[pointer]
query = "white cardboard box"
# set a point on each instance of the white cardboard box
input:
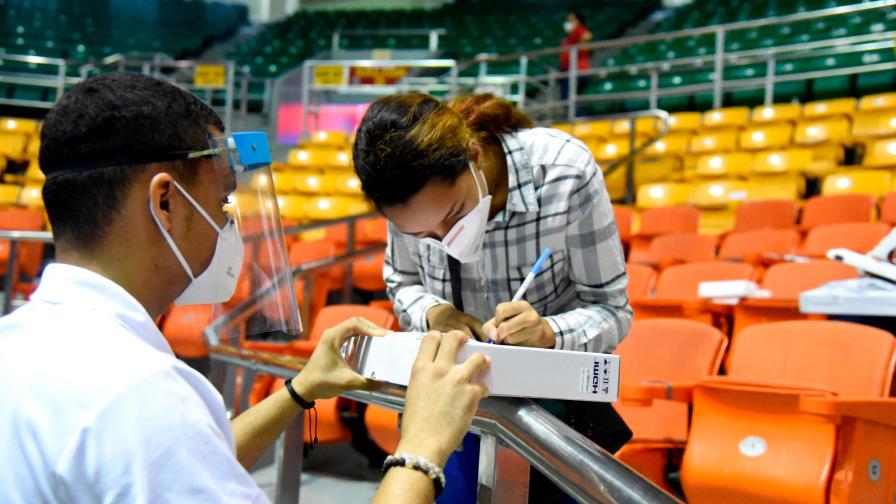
(514, 372)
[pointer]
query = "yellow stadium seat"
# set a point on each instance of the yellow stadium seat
(726, 117)
(881, 101)
(788, 187)
(12, 145)
(292, 207)
(774, 162)
(27, 127)
(330, 138)
(643, 126)
(663, 194)
(770, 136)
(880, 153)
(319, 158)
(328, 207)
(829, 108)
(609, 149)
(873, 182)
(284, 182)
(309, 182)
(564, 127)
(718, 201)
(33, 149)
(877, 123)
(33, 173)
(671, 144)
(31, 196)
(358, 206)
(9, 194)
(822, 130)
(776, 113)
(279, 166)
(735, 164)
(346, 183)
(647, 171)
(3, 164)
(685, 121)
(721, 140)
(591, 129)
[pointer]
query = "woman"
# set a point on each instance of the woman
(576, 33)
(474, 194)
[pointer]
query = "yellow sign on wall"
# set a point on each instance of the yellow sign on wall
(210, 76)
(329, 76)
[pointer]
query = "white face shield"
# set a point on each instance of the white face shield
(263, 305)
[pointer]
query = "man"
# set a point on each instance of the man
(96, 406)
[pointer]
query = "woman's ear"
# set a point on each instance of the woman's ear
(161, 189)
(475, 152)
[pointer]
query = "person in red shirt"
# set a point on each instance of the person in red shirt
(576, 33)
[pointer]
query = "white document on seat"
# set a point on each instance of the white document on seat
(856, 296)
(514, 372)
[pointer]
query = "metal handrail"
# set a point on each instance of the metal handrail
(574, 463)
(737, 25)
(433, 33)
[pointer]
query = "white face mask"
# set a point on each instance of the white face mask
(464, 240)
(218, 282)
(568, 26)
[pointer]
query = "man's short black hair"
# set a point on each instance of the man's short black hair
(579, 17)
(101, 135)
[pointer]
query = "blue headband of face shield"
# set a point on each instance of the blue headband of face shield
(241, 152)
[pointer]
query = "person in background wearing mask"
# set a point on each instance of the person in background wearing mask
(96, 407)
(576, 33)
(473, 194)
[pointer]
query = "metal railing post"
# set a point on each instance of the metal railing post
(572, 83)
(521, 87)
(488, 470)
(60, 86)
(11, 270)
(433, 40)
(244, 98)
(719, 69)
(228, 97)
(454, 76)
(654, 88)
(335, 42)
(630, 169)
(770, 81)
(306, 97)
(289, 454)
(349, 247)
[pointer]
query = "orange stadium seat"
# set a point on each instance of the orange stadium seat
(766, 136)
(666, 250)
(676, 291)
(640, 280)
(183, 327)
(780, 214)
(759, 246)
(665, 355)
(801, 417)
(888, 209)
(29, 254)
(624, 217)
(819, 210)
(778, 112)
(785, 281)
(859, 237)
(315, 285)
(726, 117)
(659, 221)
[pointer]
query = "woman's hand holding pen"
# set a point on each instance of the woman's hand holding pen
(517, 323)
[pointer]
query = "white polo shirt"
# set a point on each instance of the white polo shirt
(94, 406)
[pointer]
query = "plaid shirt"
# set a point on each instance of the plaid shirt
(557, 199)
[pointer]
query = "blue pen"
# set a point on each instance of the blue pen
(539, 265)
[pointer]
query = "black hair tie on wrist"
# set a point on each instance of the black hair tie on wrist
(310, 406)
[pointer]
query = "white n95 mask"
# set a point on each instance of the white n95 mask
(464, 240)
(218, 282)
(568, 26)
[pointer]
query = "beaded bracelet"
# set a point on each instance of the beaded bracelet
(417, 463)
